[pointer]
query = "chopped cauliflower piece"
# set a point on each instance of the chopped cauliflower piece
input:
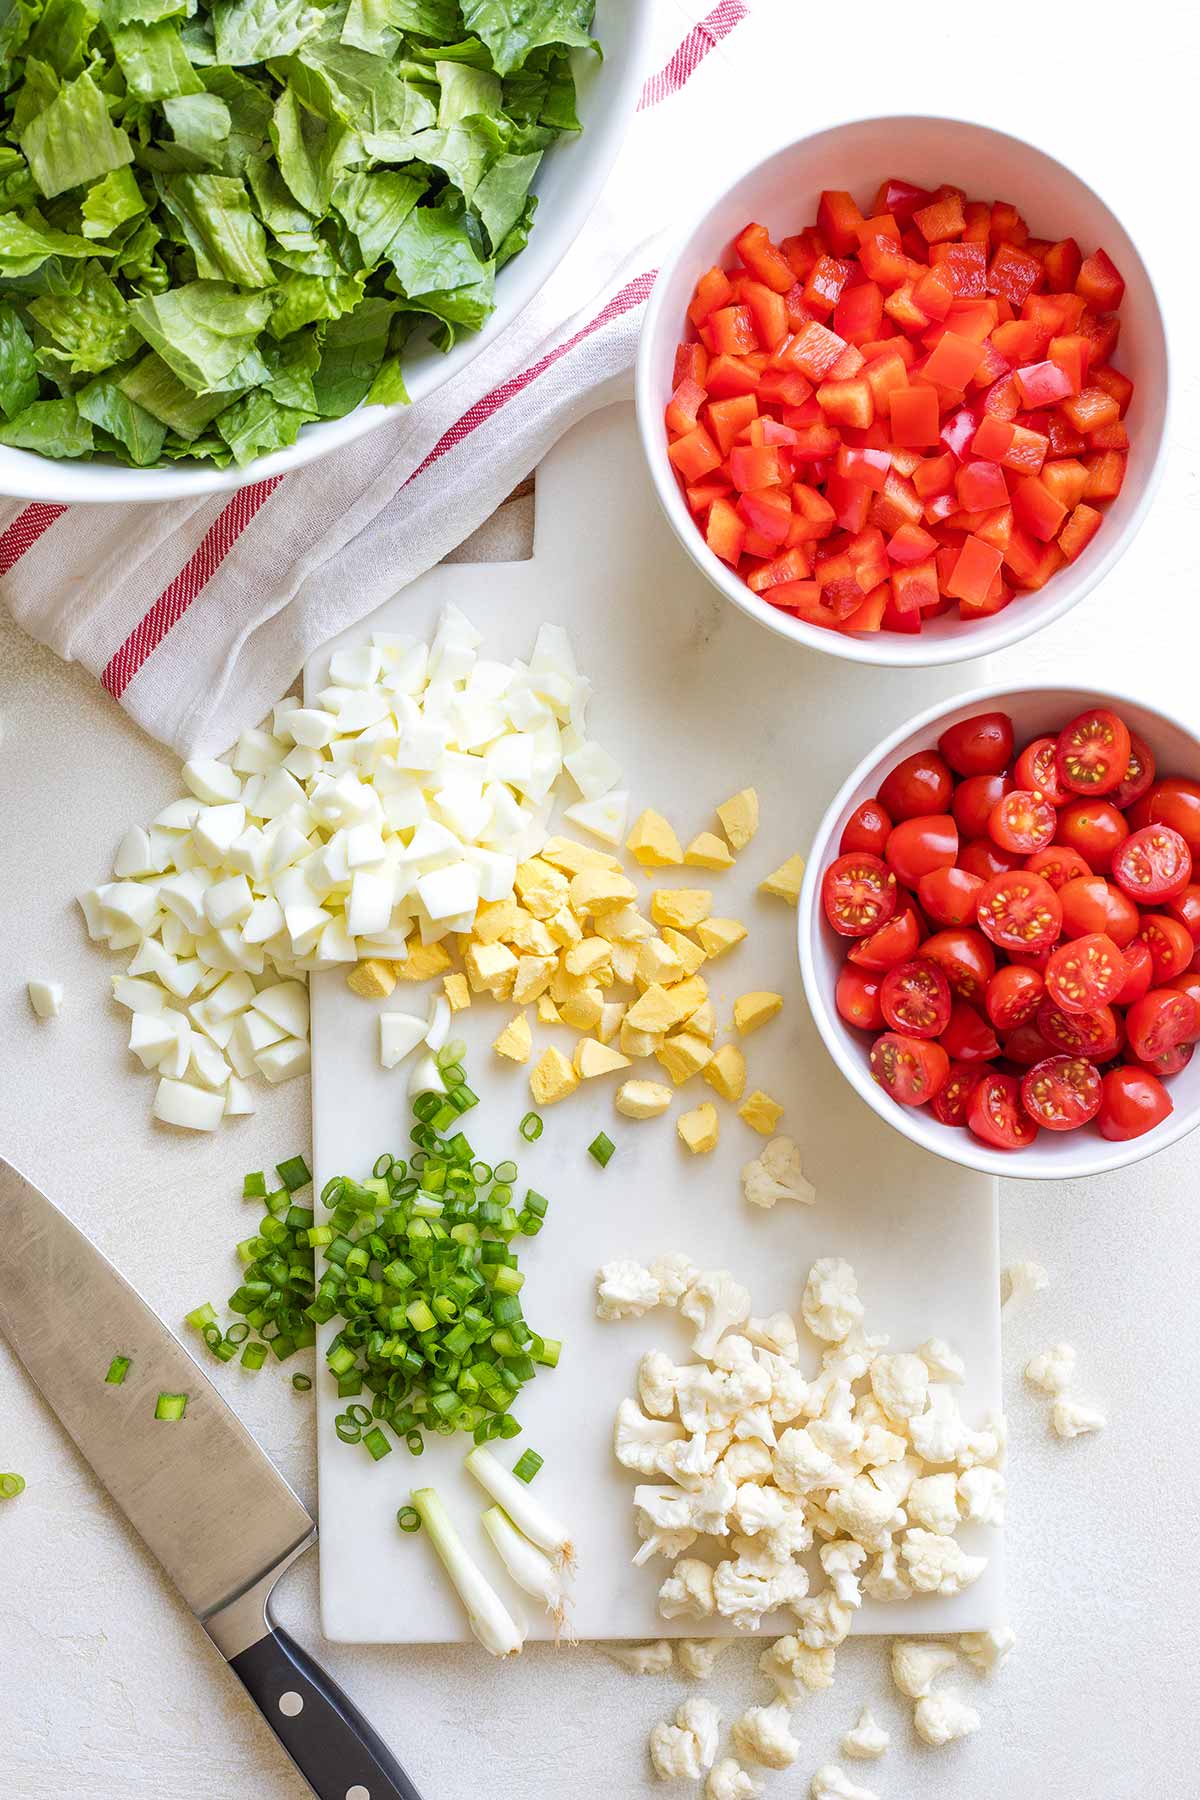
(900, 1384)
(675, 1274)
(686, 1749)
(687, 1593)
(942, 1361)
(639, 1442)
(786, 881)
(885, 1580)
(625, 1290)
(642, 1659)
(739, 817)
(657, 1380)
(755, 1009)
(824, 1621)
(943, 1717)
(916, 1665)
(939, 1434)
(933, 1503)
(714, 1303)
(841, 1562)
(1072, 1418)
(760, 1112)
(831, 1307)
(988, 1651)
(775, 1174)
(866, 1741)
(1021, 1279)
(938, 1564)
(699, 1129)
(45, 997)
(981, 1496)
(1053, 1370)
(698, 1656)
(832, 1783)
(729, 1781)
(796, 1668)
(762, 1736)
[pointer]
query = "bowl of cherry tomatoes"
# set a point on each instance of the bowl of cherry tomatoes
(902, 390)
(1000, 930)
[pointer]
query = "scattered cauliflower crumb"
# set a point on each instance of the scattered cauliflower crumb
(687, 1593)
(775, 1174)
(762, 1736)
(938, 1564)
(625, 1290)
(917, 1664)
(46, 998)
(785, 882)
(988, 1651)
(516, 1040)
(729, 1781)
(755, 1009)
(1053, 1370)
(642, 1659)
(698, 1656)
(831, 1307)
(760, 1112)
(1020, 1279)
(684, 1750)
(832, 1783)
(699, 1129)
(866, 1740)
(943, 1717)
(1073, 1418)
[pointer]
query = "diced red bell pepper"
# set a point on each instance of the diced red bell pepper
(1043, 383)
(868, 552)
(752, 470)
(847, 365)
(1036, 510)
(712, 290)
(725, 532)
(691, 364)
(974, 317)
(1022, 341)
(814, 350)
(968, 267)
(899, 504)
(978, 226)
(1014, 274)
(1011, 445)
(701, 494)
(859, 313)
(1054, 313)
(903, 309)
(976, 567)
(942, 220)
(683, 408)
(838, 220)
(768, 264)
(899, 198)
(869, 616)
(1066, 479)
(1091, 408)
(996, 527)
(1064, 439)
(783, 387)
(847, 402)
(915, 589)
(885, 373)
(981, 486)
(1072, 352)
(1106, 473)
(910, 544)
(694, 455)
(883, 259)
(794, 564)
(815, 443)
(727, 417)
(826, 279)
(952, 361)
(729, 375)
(933, 293)
(1008, 227)
(935, 475)
(914, 416)
(1103, 329)
(995, 600)
(1062, 264)
(879, 225)
(870, 467)
(850, 500)
(804, 599)
(733, 330)
(1109, 437)
(813, 510)
(1114, 383)
(958, 431)
(1079, 531)
(802, 251)
(1100, 282)
(769, 514)
(768, 312)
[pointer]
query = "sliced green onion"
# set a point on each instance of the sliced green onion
(527, 1465)
(202, 1316)
(377, 1444)
(601, 1149)
(118, 1369)
(254, 1355)
(302, 1383)
(11, 1486)
(408, 1519)
(506, 1172)
(170, 1406)
(531, 1127)
(254, 1187)
(294, 1173)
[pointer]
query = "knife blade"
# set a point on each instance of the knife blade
(211, 1506)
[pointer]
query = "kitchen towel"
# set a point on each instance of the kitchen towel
(197, 614)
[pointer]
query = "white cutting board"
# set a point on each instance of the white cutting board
(695, 701)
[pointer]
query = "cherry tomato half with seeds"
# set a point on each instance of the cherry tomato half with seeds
(1096, 1035)
(1132, 1102)
(1169, 943)
(1062, 1093)
(1092, 752)
(1153, 864)
(966, 958)
(996, 1116)
(975, 799)
(1084, 902)
(1169, 1063)
(866, 829)
(920, 784)
(1013, 996)
(1160, 1021)
(1058, 864)
(910, 1069)
(1186, 908)
(1176, 802)
(1139, 775)
(858, 893)
(978, 746)
(1026, 1046)
(1139, 973)
(948, 896)
(1037, 768)
(915, 998)
(984, 858)
(1020, 911)
(1023, 820)
(967, 1037)
(1094, 828)
(857, 998)
(917, 846)
(1124, 919)
(952, 1098)
(892, 943)
(1086, 973)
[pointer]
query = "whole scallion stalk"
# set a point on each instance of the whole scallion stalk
(529, 1567)
(538, 1525)
(490, 1619)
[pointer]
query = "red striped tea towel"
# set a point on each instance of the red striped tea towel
(197, 614)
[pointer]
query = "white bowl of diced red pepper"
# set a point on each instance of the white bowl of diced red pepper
(902, 390)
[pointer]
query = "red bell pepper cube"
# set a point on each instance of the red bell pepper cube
(914, 416)
(879, 225)
(1003, 398)
(1100, 282)
(1103, 329)
(701, 494)
(691, 364)
(1091, 408)
(1072, 352)
(794, 564)
(910, 544)
(995, 600)
(952, 361)
(802, 252)
(1008, 227)
(1064, 439)
(814, 517)
(712, 290)
(1043, 383)
(992, 367)
(978, 226)
(895, 620)
(1014, 273)
(957, 434)
(847, 402)
(1106, 473)
(869, 616)
(935, 475)
(1114, 383)
(794, 307)
(899, 198)
(814, 350)
(980, 486)
(727, 417)
(725, 532)
(885, 373)
(1062, 264)
(1011, 445)
(975, 568)
(1066, 479)
(773, 432)
(808, 412)
(768, 312)
(683, 408)
(767, 263)
(996, 527)
(733, 330)
(769, 514)
(934, 292)
(847, 365)
(1054, 313)
(870, 467)
(850, 501)
(859, 313)
(1109, 437)
(883, 259)
(729, 375)
(752, 470)
(1022, 341)
(694, 455)
(974, 317)
(826, 279)
(868, 437)
(1079, 531)
(784, 387)
(942, 220)
(915, 589)
(899, 504)
(815, 443)
(867, 550)
(968, 266)
(1036, 510)
(838, 219)
(901, 307)
(905, 461)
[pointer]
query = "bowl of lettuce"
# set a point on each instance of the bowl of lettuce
(233, 233)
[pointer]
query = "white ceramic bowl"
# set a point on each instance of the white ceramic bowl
(1035, 712)
(782, 192)
(567, 185)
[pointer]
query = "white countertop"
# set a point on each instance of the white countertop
(109, 1687)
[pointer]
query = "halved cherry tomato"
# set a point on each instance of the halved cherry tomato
(859, 894)
(1159, 1021)
(1062, 1093)
(1037, 768)
(920, 784)
(1058, 864)
(952, 1098)
(984, 858)
(1123, 916)
(866, 829)
(978, 746)
(1139, 973)
(1188, 983)
(917, 846)
(1023, 820)
(857, 998)
(1153, 864)
(1176, 802)
(1092, 752)
(910, 1069)
(1169, 943)
(892, 943)
(966, 957)
(1013, 995)
(1086, 973)
(1132, 1102)
(1020, 911)
(995, 1113)
(948, 896)
(915, 998)
(1094, 828)
(1096, 1035)
(974, 801)
(967, 1036)
(1026, 1046)
(1139, 774)
(1084, 902)
(1169, 1063)
(1186, 908)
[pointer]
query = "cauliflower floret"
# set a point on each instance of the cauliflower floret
(839, 1367)
(865, 1511)
(866, 1740)
(838, 1431)
(625, 1290)
(702, 1719)
(831, 1307)
(916, 1665)
(762, 1736)
(1071, 1418)
(832, 1783)
(755, 1422)
(841, 1562)
(1021, 1279)
(824, 1621)
(878, 1446)
(687, 1593)
(711, 1501)
(639, 1442)
(796, 1669)
(714, 1303)
(897, 1477)
(674, 1753)
(789, 1390)
(939, 1565)
(775, 1174)
(674, 1275)
(743, 1595)
(900, 1384)
(642, 1659)
(988, 1650)
(987, 1446)
(757, 1508)
(1054, 1370)
(664, 1522)
(698, 1656)
(981, 1496)
(657, 1376)
(933, 1502)
(943, 1362)
(729, 1781)
(942, 1717)
(885, 1580)
(777, 1333)
(940, 1434)
(747, 1460)
(799, 1464)
(688, 1460)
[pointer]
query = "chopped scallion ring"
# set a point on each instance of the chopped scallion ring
(170, 1406)
(118, 1368)
(531, 1127)
(11, 1486)
(377, 1444)
(294, 1173)
(302, 1383)
(527, 1465)
(254, 1187)
(601, 1149)
(408, 1519)
(201, 1317)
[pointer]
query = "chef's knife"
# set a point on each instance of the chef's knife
(221, 1521)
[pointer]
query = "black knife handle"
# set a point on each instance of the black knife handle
(323, 1732)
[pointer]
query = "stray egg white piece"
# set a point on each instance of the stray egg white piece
(193, 1108)
(399, 1035)
(46, 998)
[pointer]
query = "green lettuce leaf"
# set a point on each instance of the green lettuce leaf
(73, 140)
(307, 299)
(351, 353)
(512, 28)
(337, 81)
(216, 217)
(466, 91)
(312, 152)
(257, 423)
(432, 252)
(250, 31)
(16, 183)
(27, 241)
(202, 330)
(153, 61)
(200, 124)
(291, 366)
(52, 427)
(110, 202)
(16, 21)
(61, 35)
(90, 330)
(375, 205)
(18, 369)
(462, 152)
(500, 196)
(152, 385)
(139, 432)
(388, 387)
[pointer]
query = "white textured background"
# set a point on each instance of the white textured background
(108, 1689)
